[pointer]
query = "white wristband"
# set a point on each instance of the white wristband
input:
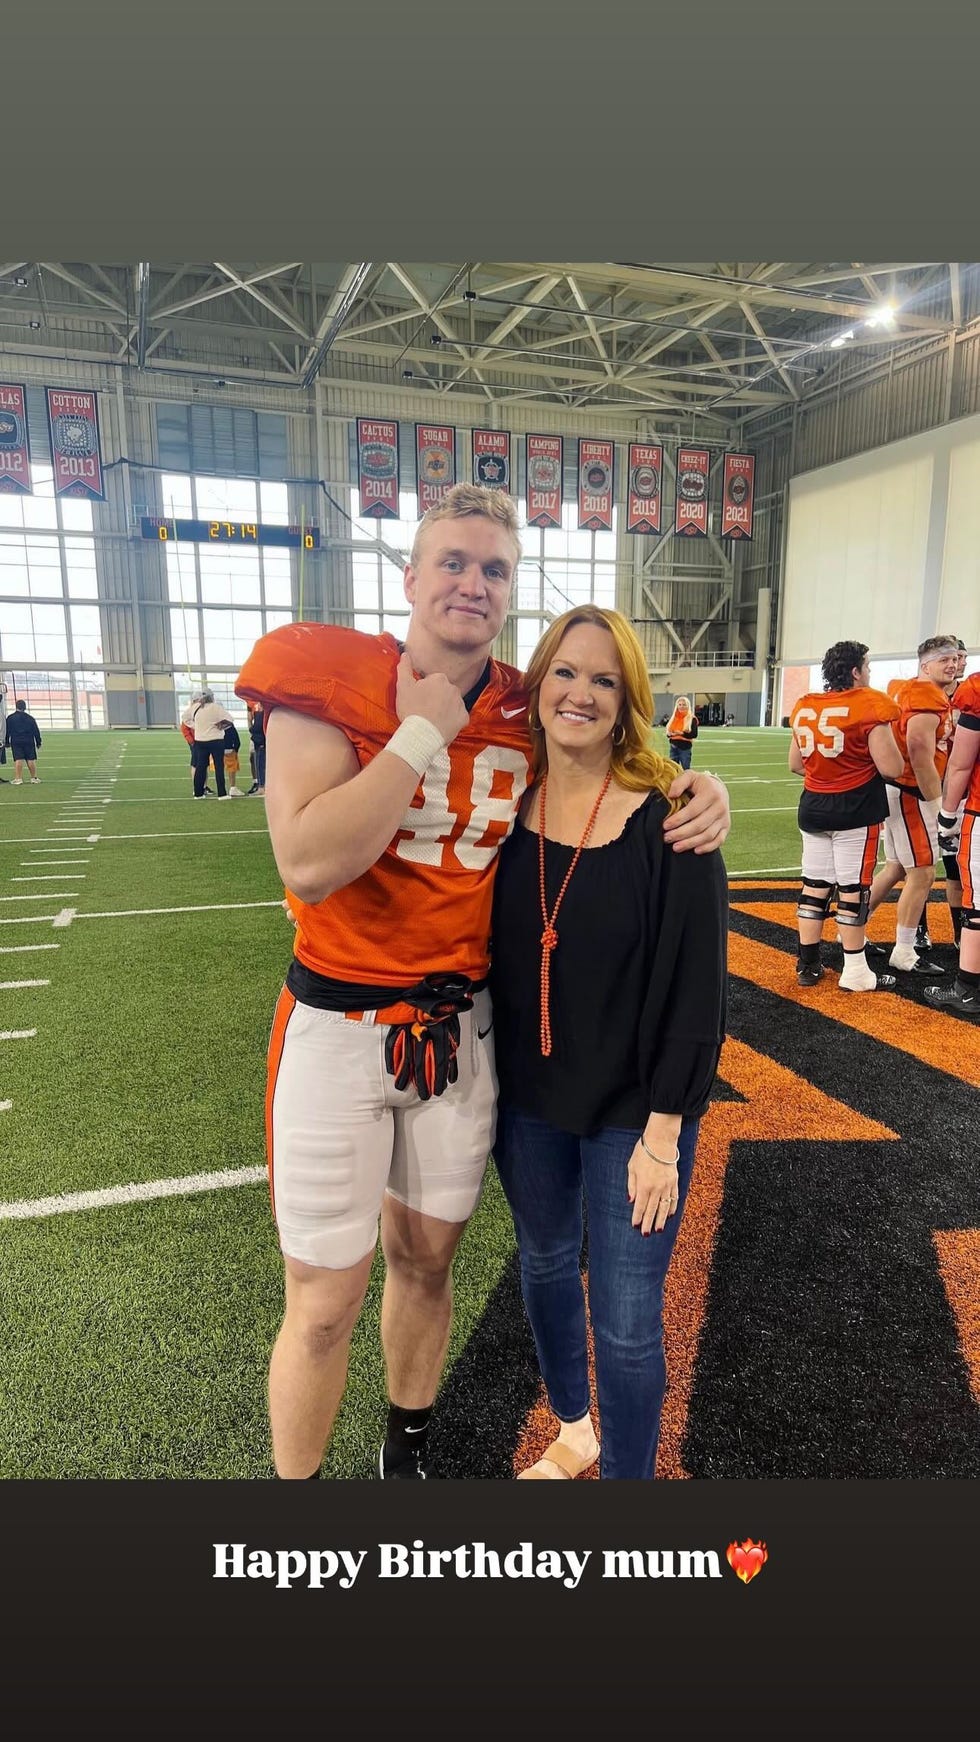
(416, 741)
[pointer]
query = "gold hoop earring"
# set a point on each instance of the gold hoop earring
(621, 729)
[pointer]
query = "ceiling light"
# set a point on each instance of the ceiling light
(841, 339)
(883, 316)
(34, 324)
(20, 283)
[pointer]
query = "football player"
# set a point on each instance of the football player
(963, 783)
(393, 777)
(923, 734)
(842, 745)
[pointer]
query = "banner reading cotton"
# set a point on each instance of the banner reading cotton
(15, 459)
(544, 476)
(645, 489)
(595, 485)
(491, 458)
(435, 463)
(377, 468)
(691, 511)
(76, 447)
(737, 494)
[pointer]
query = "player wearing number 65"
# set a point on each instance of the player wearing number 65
(843, 746)
(393, 776)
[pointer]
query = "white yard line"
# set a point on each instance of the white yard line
(17, 1033)
(184, 834)
(764, 871)
(54, 878)
(22, 949)
(48, 895)
(15, 985)
(26, 1208)
(217, 907)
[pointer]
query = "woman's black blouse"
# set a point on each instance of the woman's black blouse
(638, 978)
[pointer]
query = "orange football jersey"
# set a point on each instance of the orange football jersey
(918, 695)
(831, 729)
(424, 907)
(967, 701)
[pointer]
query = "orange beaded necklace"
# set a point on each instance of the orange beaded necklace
(549, 937)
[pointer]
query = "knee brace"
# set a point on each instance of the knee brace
(971, 918)
(951, 868)
(815, 906)
(855, 910)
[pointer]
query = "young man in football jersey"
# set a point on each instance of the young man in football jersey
(393, 778)
(923, 733)
(954, 891)
(962, 783)
(842, 745)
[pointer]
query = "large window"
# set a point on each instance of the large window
(47, 557)
(223, 598)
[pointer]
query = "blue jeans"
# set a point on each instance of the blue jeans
(545, 1173)
(681, 753)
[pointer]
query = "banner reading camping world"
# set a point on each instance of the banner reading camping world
(491, 458)
(15, 459)
(595, 485)
(377, 468)
(76, 448)
(435, 463)
(645, 488)
(691, 511)
(544, 478)
(737, 496)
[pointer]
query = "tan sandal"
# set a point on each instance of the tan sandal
(568, 1462)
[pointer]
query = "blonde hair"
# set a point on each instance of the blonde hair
(635, 764)
(464, 500)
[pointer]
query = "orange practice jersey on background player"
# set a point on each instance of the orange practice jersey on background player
(918, 695)
(967, 701)
(436, 874)
(831, 728)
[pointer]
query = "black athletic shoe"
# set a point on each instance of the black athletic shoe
(410, 1469)
(877, 950)
(808, 973)
(923, 942)
(965, 999)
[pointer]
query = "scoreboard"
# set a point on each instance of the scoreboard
(241, 532)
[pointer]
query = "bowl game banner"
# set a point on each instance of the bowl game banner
(595, 485)
(76, 449)
(377, 468)
(435, 463)
(544, 480)
(737, 493)
(691, 510)
(645, 492)
(15, 460)
(491, 458)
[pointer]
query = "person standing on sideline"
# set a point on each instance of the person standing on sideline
(954, 891)
(682, 729)
(923, 732)
(394, 776)
(844, 747)
(256, 731)
(959, 827)
(209, 721)
(24, 741)
(232, 745)
(608, 983)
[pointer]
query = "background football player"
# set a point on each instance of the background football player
(963, 782)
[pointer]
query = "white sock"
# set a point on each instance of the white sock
(905, 937)
(856, 976)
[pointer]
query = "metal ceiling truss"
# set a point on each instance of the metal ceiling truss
(688, 346)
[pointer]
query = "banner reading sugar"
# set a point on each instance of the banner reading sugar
(691, 510)
(435, 463)
(491, 458)
(544, 475)
(15, 459)
(76, 447)
(737, 496)
(377, 468)
(595, 485)
(645, 494)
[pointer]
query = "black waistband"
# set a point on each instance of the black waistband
(434, 992)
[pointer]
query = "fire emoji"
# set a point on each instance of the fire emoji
(746, 1558)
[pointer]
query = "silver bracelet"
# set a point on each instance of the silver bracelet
(674, 1159)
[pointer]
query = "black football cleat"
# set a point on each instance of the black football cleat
(409, 1469)
(808, 973)
(964, 999)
